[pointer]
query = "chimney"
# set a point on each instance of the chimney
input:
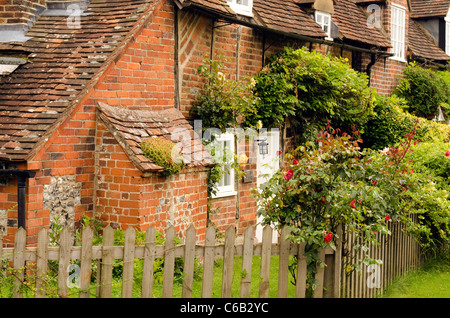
(17, 16)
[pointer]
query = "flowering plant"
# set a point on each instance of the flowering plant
(333, 182)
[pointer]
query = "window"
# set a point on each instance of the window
(324, 20)
(398, 32)
(243, 7)
(447, 35)
(224, 152)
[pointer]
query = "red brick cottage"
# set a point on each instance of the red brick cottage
(82, 85)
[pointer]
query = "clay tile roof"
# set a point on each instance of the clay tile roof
(62, 63)
(352, 23)
(421, 44)
(286, 16)
(429, 8)
(131, 127)
(279, 15)
(220, 6)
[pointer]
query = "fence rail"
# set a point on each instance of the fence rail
(328, 277)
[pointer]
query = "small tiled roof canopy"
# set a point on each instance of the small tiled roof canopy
(132, 127)
(286, 16)
(421, 44)
(429, 8)
(278, 15)
(64, 62)
(352, 22)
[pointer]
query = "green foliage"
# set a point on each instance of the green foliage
(310, 89)
(390, 123)
(431, 199)
(224, 102)
(164, 153)
(333, 182)
(424, 90)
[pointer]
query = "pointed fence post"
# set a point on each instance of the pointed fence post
(283, 268)
(149, 261)
(228, 259)
(86, 262)
(266, 253)
(247, 259)
(19, 260)
(41, 262)
(128, 262)
(169, 263)
(208, 263)
(189, 259)
(107, 262)
(65, 246)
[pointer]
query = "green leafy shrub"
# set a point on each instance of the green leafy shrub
(310, 89)
(223, 102)
(390, 123)
(164, 153)
(424, 90)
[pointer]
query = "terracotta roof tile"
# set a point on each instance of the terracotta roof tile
(132, 127)
(286, 16)
(279, 15)
(352, 23)
(220, 6)
(429, 8)
(421, 44)
(62, 61)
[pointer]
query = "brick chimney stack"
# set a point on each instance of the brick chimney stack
(18, 15)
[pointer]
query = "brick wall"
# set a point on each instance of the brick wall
(387, 72)
(143, 76)
(125, 197)
(20, 11)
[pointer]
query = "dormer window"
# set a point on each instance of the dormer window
(398, 32)
(242, 7)
(447, 34)
(324, 20)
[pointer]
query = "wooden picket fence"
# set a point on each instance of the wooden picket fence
(328, 277)
(399, 253)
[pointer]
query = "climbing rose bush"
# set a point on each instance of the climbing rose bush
(331, 182)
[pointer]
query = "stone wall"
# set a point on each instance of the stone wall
(60, 197)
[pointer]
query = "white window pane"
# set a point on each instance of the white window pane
(319, 19)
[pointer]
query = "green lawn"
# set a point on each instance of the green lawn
(430, 281)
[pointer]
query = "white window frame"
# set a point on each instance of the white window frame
(241, 9)
(319, 17)
(447, 34)
(398, 32)
(228, 189)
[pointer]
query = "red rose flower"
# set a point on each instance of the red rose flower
(288, 175)
(387, 217)
(447, 154)
(295, 162)
(374, 182)
(352, 204)
(328, 237)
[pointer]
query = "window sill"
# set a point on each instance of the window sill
(398, 59)
(223, 194)
(241, 11)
